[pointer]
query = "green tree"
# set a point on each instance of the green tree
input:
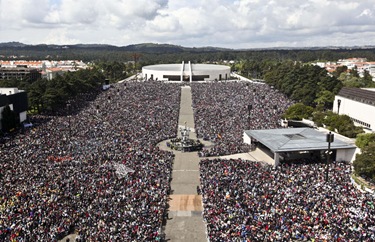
(302, 82)
(325, 99)
(352, 79)
(35, 94)
(364, 164)
(364, 140)
(341, 124)
(298, 111)
(354, 72)
(340, 70)
(367, 77)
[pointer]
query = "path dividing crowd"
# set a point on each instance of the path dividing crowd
(95, 170)
(185, 221)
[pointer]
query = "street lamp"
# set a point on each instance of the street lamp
(338, 105)
(249, 108)
(329, 139)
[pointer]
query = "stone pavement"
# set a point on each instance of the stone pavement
(69, 238)
(185, 221)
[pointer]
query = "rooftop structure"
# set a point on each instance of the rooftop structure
(282, 142)
(358, 104)
(186, 72)
(366, 96)
(20, 73)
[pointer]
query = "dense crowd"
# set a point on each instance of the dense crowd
(96, 171)
(222, 111)
(250, 201)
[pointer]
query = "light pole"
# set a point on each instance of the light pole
(249, 108)
(329, 139)
(338, 105)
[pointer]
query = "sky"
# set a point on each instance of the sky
(235, 24)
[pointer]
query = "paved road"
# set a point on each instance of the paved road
(185, 221)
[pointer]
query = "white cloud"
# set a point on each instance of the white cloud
(60, 36)
(224, 23)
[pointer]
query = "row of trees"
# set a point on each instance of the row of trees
(308, 84)
(364, 164)
(51, 95)
(351, 78)
(341, 124)
(303, 82)
(115, 71)
(156, 53)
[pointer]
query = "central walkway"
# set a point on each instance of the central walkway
(185, 221)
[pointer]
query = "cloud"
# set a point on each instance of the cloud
(224, 23)
(60, 36)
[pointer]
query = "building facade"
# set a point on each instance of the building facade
(300, 144)
(186, 72)
(358, 104)
(19, 73)
(16, 100)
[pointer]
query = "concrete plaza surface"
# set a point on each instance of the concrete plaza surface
(185, 220)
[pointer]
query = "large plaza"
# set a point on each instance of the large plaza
(103, 172)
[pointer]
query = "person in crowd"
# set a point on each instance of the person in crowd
(222, 111)
(250, 201)
(92, 169)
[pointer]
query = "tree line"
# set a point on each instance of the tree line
(154, 53)
(364, 164)
(51, 95)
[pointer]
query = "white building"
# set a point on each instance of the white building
(186, 72)
(358, 104)
(298, 144)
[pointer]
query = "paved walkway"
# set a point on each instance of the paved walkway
(185, 221)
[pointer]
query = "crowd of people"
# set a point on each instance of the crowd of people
(250, 201)
(92, 169)
(222, 111)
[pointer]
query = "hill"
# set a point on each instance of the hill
(144, 47)
(153, 53)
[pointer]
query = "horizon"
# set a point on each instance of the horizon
(239, 24)
(215, 47)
